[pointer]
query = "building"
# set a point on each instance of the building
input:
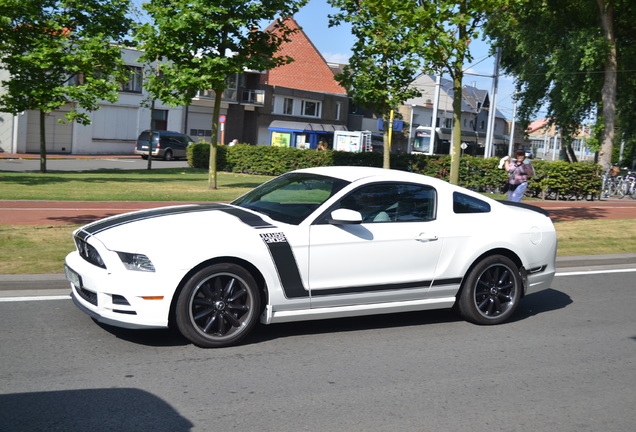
(293, 105)
(544, 141)
(114, 127)
(303, 101)
(418, 112)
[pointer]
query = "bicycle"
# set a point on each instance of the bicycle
(610, 183)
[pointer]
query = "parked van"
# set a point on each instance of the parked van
(165, 144)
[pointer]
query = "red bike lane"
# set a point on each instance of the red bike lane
(82, 212)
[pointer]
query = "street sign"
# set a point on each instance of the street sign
(222, 119)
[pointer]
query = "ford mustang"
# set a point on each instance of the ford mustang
(313, 244)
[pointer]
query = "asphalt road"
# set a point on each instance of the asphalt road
(567, 362)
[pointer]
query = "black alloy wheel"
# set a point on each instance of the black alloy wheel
(218, 306)
(491, 292)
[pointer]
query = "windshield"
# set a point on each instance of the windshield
(292, 197)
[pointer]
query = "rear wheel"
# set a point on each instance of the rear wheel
(491, 291)
(167, 155)
(218, 306)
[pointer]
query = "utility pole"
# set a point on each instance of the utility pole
(493, 107)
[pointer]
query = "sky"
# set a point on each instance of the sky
(335, 43)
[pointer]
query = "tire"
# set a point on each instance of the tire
(218, 306)
(167, 156)
(144, 157)
(491, 292)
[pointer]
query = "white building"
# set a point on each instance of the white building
(114, 127)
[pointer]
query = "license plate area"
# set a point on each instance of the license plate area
(72, 276)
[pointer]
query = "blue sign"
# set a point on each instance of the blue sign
(398, 125)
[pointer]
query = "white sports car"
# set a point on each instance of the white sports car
(312, 244)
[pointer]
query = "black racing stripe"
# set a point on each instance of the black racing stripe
(453, 281)
(385, 287)
(105, 224)
(286, 265)
(248, 218)
(370, 288)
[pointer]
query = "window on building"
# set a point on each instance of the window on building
(288, 106)
(203, 133)
(310, 108)
(448, 123)
(482, 125)
(134, 83)
(160, 119)
(338, 109)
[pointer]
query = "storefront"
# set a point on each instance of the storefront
(302, 135)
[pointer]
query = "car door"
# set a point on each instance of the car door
(390, 256)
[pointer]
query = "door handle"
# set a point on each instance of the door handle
(424, 238)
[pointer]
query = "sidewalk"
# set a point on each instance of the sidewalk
(64, 156)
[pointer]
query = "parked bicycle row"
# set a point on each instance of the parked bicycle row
(616, 185)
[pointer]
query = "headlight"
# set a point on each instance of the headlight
(137, 262)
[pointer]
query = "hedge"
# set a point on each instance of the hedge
(552, 180)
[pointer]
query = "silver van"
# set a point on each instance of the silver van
(166, 145)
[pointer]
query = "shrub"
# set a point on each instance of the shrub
(558, 180)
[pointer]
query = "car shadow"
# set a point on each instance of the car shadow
(541, 302)
(344, 325)
(531, 305)
(153, 337)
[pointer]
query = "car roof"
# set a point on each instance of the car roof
(355, 173)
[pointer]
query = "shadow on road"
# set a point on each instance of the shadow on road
(541, 302)
(107, 409)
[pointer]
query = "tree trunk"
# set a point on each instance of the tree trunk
(42, 142)
(609, 85)
(152, 129)
(218, 95)
(457, 127)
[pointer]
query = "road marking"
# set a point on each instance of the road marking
(591, 272)
(34, 298)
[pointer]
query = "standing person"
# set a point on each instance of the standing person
(322, 145)
(234, 142)
(518, 173)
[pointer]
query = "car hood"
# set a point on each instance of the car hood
(175, 226)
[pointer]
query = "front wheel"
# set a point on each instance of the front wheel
(218, 306)
(491, 292)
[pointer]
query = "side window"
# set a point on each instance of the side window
(467, 204)
(392, 202)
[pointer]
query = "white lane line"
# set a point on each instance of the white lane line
(591, 272)
(34, 298)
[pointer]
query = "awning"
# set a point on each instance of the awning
(306, 127)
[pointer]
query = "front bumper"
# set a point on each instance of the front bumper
(125, 299)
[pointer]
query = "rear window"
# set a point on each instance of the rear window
(463, 203)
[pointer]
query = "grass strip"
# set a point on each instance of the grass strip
(36, 249)
(171, 184)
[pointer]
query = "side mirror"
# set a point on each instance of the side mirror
(345, 217)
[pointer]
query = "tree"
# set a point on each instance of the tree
(202, 43)
(61, 52)
(448, 28)
(573, 58)
(385, 56)
(396, 40)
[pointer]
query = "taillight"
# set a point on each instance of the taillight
(158, 144)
